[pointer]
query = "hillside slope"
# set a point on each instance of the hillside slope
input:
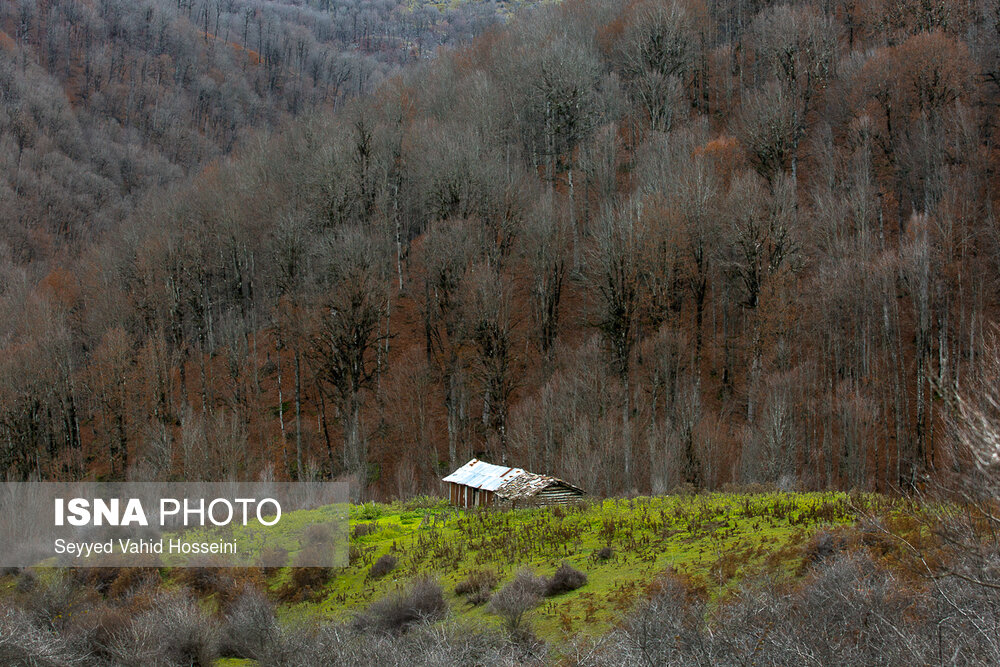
(635, 246)
(713, 542)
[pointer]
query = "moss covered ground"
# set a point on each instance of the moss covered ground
(623, 545)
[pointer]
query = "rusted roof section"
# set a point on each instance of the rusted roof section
(528, 484)
(509, 483)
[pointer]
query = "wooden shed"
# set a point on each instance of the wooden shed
(482, 484)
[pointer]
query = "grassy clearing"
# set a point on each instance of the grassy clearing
(622, 545)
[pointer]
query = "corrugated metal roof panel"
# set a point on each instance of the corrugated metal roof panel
(482, 475)
(510, 483)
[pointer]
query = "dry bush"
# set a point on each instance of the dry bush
(663, 630)
(306, 582)
(446, 643)
(383, 566)
(250, 629)
(95, 627)
(202, 580)
(133, 581)
(98, 579)
(522, 594)
(26, 581)
(822, 546)
(53, 602)
(566, 578)
(274, 555)
(604, 554)
(850, 611)
(422, 601)
(174, 631)
(25, 643)
(478, 586)
(234, 582)
(847, 611)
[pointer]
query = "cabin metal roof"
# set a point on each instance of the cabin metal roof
(506, 482)
(482, 475)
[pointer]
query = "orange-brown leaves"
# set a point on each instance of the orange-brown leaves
(62, 287)
(925, 74)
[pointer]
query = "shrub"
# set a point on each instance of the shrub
(443, 643)
(52, 603)
(132, 580)
(397, 612)
(566, 578)
(24, 643)
(666, 629)
(522, 594)
(363, 529)
(425, 502)
(96, 626)
(26, 582)
(477, 586)
(236, 581)
(250, 629)
(188, 636)
(604, 554)
(354, 554)
(305, 580)
(98, 579)
(202, 580)
(369, 511)
(824, 545)
(383, 566)
(173, 632)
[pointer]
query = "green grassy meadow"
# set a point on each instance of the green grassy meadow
(713, 540)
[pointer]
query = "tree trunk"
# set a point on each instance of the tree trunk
(281, 414)
(298, 415)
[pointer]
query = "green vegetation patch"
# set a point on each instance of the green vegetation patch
(622, 545)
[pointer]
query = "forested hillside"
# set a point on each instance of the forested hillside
(102, 101)
(636, 245)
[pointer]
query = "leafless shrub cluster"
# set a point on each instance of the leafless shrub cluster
(397, 612)
(61, 621)
(566, 578)
(174, 631)
(478, 586)
(522, 594)
(383, 566)
(23, 642)
(439, 645)
(250, 629)
(849, 610)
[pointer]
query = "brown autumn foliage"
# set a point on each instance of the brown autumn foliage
(636, 246)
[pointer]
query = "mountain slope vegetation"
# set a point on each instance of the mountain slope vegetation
(633, 245)
(101, 102)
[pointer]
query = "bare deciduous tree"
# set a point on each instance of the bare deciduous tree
(348, 331)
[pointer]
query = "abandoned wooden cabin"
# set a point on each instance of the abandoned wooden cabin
(482, 484)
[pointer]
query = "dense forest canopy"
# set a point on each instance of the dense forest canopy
(101, 101)
(637, 245)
